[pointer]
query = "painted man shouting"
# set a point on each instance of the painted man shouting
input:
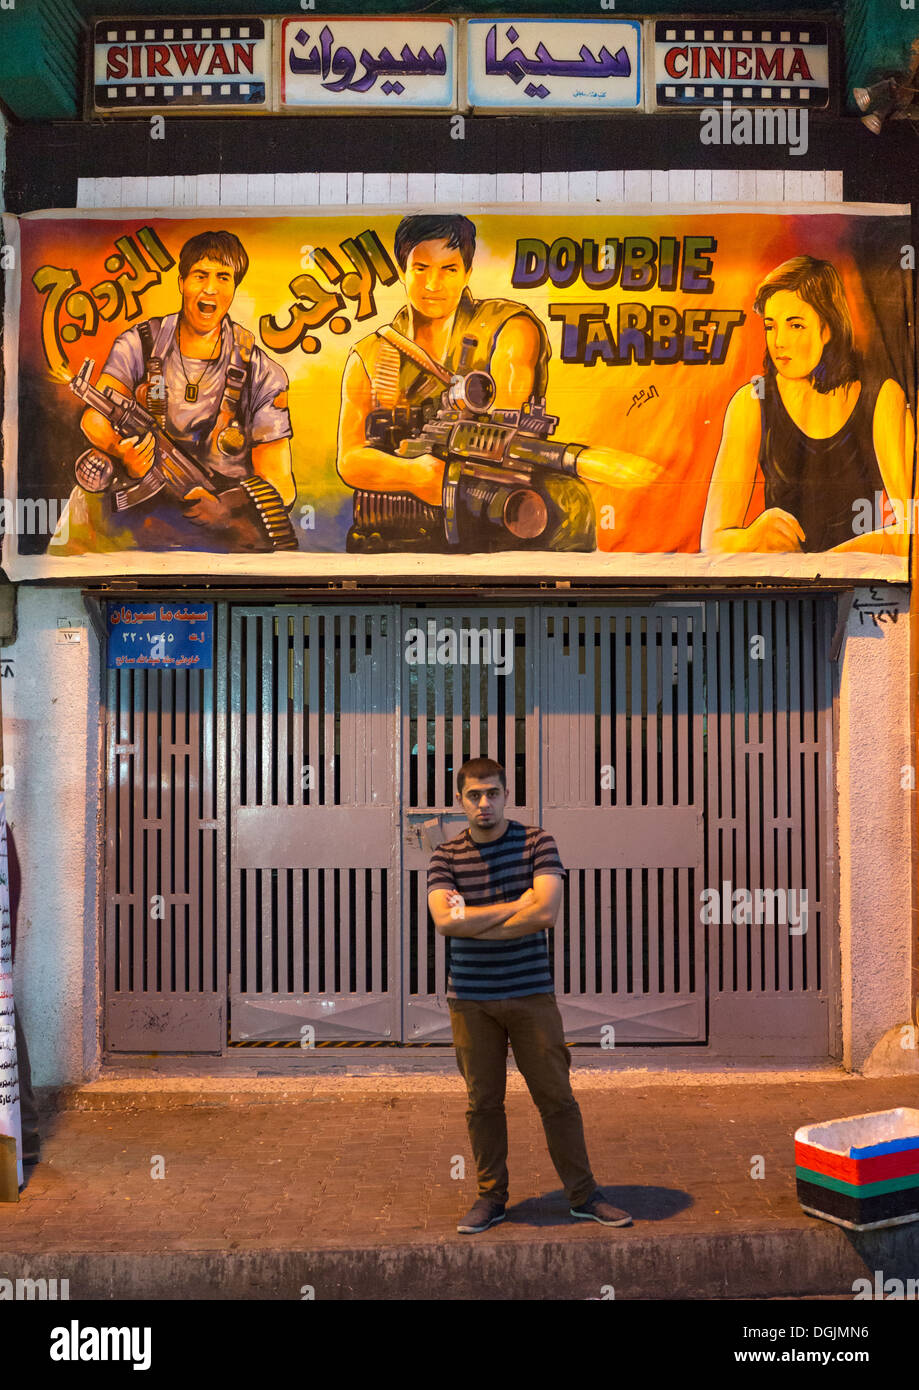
(217, 395)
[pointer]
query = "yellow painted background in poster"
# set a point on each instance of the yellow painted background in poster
(670, 414)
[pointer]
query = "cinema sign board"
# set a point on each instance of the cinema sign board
(366, 64)
(208, 65)
(256, 65)
(761, 62)
(565, 64)
(323, 64)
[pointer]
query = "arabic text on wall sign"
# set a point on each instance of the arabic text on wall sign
(158, 634)
(541, 64)
(398, 64)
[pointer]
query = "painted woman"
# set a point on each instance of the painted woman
(828, 433)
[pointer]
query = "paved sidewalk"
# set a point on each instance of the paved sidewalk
(345, 1183)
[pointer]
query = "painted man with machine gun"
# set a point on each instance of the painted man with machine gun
(189, 426)
(443, 431)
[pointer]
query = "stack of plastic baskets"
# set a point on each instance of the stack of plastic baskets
(861, 1172)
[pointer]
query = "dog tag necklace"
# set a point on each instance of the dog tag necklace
(191, 387)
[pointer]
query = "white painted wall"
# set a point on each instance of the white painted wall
(562, 186)
(51, 741)
(875, 852)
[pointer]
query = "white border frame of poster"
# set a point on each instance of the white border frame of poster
(283, 566)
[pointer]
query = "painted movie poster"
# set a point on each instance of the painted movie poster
(513, 391)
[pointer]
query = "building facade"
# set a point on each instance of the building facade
(231, 856)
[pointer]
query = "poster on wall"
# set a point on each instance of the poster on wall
(10, 1118)
(686, 392)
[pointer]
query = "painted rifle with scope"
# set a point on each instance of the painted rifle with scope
(507, 484)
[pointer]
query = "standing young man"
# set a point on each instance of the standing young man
(494, 890)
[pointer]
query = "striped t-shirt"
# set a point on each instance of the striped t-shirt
(497, 871)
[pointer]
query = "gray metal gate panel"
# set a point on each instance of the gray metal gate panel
(334, 937)
(769, 818)
(452, 712)
(313, 765)
(164, 987)
(622, 701)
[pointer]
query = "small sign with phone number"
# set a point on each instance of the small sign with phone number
(160, 634)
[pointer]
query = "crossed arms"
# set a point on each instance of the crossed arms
(533, 911)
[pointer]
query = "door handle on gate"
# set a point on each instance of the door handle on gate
(430, 834)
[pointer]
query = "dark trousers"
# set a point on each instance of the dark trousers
(28, 1111)
(533, 1024)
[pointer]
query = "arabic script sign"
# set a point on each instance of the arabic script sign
(762, 63)
(212, 64)
(160, 634)
(311, 62)
(390, 64)
(10, 1122)
(540, 64)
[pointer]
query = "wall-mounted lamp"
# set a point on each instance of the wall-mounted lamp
(889, 95)
(879, 100)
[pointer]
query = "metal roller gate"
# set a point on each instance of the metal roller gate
(269, 822)
(623, 794)
(165, 964)
(314, 848)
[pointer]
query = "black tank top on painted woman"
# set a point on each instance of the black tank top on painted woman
(818, 480)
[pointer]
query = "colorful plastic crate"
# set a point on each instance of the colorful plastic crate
(862, 1171)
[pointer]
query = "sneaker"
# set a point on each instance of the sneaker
(485, 1213)
(597, 1208)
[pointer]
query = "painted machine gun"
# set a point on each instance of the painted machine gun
(507, 485)
(258, 519)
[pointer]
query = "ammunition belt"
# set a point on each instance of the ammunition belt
(393, 509)
(271, 513)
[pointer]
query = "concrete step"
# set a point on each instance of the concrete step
(174, 1187)
(498, 1265)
